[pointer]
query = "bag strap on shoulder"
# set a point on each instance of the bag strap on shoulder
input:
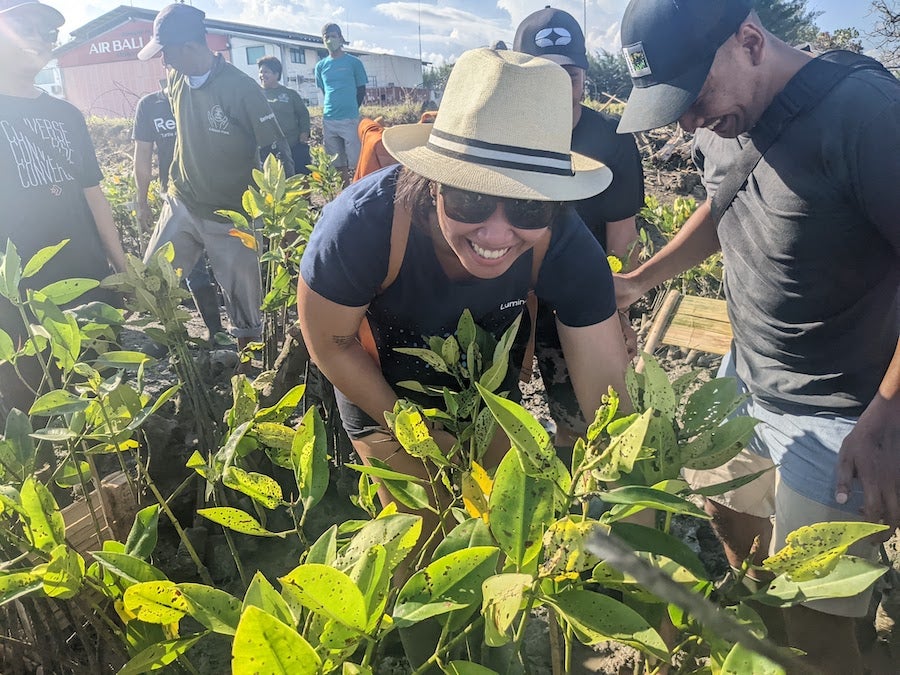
(803, 93)
(531, 304)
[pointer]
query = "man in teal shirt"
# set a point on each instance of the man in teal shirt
(342, 78)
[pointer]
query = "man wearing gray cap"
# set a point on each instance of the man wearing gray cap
(801, 160)
(51, 180)
(222, 118)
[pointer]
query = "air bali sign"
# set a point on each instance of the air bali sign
(122, 43)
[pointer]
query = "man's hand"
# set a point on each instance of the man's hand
(871, 452)
(144, 216)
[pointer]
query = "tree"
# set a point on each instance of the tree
(842, 38)
(788, 19)
(435, 77)
(886, 33)
(607, 73)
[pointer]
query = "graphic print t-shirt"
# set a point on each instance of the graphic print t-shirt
(155, 123)
(46, 161)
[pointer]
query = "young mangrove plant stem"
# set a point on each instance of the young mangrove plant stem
(188, 546)
(435, 659)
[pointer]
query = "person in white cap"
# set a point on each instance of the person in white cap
(801, 160)
(51, 178)
(485, 187)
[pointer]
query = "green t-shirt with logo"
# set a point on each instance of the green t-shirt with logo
(290, 111)
(221, 125)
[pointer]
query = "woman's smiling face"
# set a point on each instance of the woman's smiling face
(487, 249)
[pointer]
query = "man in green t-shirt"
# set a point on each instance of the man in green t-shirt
(222, 119)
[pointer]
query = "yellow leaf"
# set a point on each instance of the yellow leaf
(476, 491)
(813, 551)
(247, 239)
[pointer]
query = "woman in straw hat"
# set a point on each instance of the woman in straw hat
(484, 188)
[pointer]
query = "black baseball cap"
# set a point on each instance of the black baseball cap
(552, 34)
(52, 16)
(176, 24)
(669, 47)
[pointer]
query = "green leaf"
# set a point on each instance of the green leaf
(398, 533)
(122, 359)
(263, 644)
(448, 584)
(39, 259)
(624, 450)
(64, 573)
(465, 330)
(158, 655)
(741, 660)
(7, 348)
(10, 272)
(274, 435)
(651, 498)
(215, 609)
(67, 290)
(16, 584)
(262, 489)
(450, 351)
(19, 442)
(309, 457)
(328, 592)
(713, 447)
(45, 527)
(428, 356)
(143, 535)
(848, 577)
(709, 405)
(371, 576)
(503, 599)
(284, 408)
(58, 402)
(69, 473)
(598, 618)
(245, 401)
(262, 594)
(237, 520)
(812, 551)
(413, 434)
(129, 567)
(526, 433)
(324, 550)
(734, 484)
(159, 602)
(468, 534)
(521, 507)
(658, 393)
(654, 541)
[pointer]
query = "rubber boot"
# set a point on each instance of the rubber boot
(206, 298)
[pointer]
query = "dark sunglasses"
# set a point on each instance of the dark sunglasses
(473, 207)
(34, 28)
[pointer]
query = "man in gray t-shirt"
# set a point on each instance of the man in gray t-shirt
(811, 245)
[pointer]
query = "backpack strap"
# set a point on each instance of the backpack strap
(531, 304)
(803, 93)
(399, 238)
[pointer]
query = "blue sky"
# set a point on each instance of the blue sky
(448, 27)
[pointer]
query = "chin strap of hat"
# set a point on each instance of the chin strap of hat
(803, 93)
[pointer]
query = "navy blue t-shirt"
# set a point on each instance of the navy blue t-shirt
(347, 258)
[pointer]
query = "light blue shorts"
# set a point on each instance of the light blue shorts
(804, 446)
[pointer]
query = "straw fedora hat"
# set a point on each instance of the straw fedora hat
(504, 128)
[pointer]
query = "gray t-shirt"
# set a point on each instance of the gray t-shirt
(812, 250)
